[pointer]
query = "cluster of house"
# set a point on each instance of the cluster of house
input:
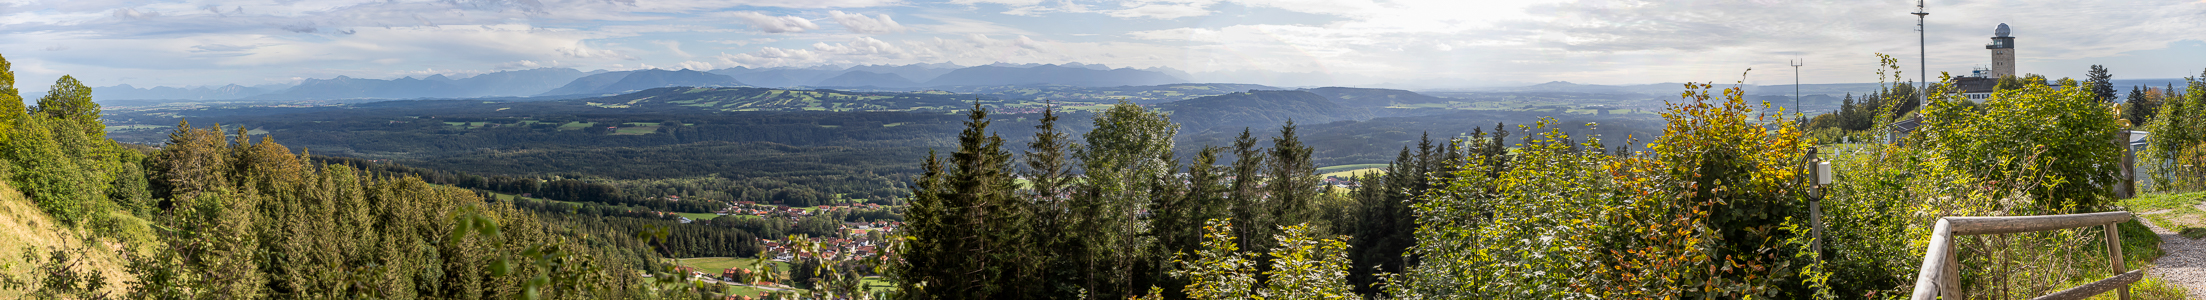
(755, 209)
(859, 244)
(1343, 183)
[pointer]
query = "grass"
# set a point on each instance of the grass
(699, 216)
(638, 130)
(715, 264)
(575, 125)
(1340, 168)
(24, 226)
(2178, 212)
(1353, 173)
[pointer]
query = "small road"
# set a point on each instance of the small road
(2184, 261)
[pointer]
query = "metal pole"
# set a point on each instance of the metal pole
(1922, 34)
(1802, 113)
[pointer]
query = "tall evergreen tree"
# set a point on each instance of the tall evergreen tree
(1200, 197)
(968, 235)
(2102, 83)
(1294, 182)
(1049, 175)
(1249, 210)
(2140, 107)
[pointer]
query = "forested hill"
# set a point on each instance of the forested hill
(1367, 97)
(1259, 109)
(626, 81)
(764, 99)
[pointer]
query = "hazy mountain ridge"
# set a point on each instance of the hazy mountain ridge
(1051, 74)
(226, 92)
(507, 83)
(626, 81)
(865, 78)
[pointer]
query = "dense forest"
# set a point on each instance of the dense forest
(212, 214)
(1713, 207)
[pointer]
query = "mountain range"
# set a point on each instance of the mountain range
(625, 81)
(233, 91)
(566, 81)
(508, 83)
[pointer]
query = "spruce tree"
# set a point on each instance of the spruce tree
(2140, 108)
(968, 238)
(2102, 83)
(1250, 211)
(1049, 175)
(1198, 198)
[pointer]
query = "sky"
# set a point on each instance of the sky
(1436, 44)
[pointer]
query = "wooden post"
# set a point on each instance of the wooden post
(2114, 248)
(1949, 283)
(1815, 204)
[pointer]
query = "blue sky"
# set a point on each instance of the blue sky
(1427, 44)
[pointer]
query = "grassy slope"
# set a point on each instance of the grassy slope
(1339, 168)
(23, 224)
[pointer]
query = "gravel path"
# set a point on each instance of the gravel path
(2185, 261)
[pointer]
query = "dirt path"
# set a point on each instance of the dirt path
(2185, 261)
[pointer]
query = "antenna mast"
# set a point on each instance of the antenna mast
(1796, 91)
(1922, 34)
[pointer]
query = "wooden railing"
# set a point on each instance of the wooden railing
(1940, 275)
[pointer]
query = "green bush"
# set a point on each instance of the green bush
(1709, 213)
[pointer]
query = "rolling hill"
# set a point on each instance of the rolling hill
(627, 81)
(1258, 109)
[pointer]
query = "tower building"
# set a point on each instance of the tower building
(2003, 53)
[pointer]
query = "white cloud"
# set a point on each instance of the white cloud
(525, 64)
(1003, 2)
(956, 25)
(742, 42)
(1164, 9)
(673, 46)
(583, 50)
(1597, 41)
(695, 65)
(772, 24)
(859, 50)
(859, 23)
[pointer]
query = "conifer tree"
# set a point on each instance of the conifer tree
(1049, 175)
(1180, 215)
(968, 237)
(2102, 83)
(1251, 214)
(2140, 107)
